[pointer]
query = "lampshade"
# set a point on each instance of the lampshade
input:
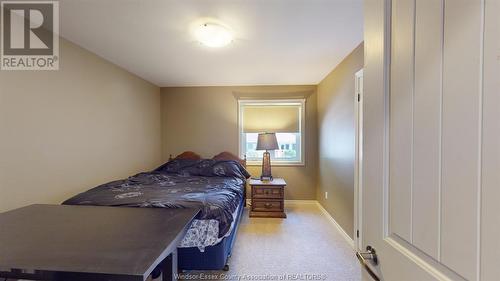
(267, 141)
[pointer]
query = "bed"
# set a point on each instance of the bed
(216, 186)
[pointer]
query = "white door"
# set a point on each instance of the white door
(431, 139)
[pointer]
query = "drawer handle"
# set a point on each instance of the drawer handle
(268, 205)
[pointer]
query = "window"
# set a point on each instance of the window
(283, 117)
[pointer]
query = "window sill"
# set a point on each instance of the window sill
(278, 164)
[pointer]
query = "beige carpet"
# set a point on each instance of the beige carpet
(305, 246)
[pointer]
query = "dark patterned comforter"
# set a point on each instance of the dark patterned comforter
(216, 187)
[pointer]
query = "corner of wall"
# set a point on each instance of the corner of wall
(335, 117)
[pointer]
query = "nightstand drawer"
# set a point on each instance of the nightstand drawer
(267, 206)
(267, 192)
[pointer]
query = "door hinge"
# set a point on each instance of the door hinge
(359, 97)
(357, 233)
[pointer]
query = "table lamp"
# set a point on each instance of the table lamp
(267, 141)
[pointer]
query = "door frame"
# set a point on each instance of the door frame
(358, 161)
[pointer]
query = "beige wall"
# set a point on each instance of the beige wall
(65, 131)
(205, 120)
(62, 132)
(336, 128)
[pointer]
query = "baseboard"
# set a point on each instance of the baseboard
(335, 223)
(323, 210)
(292, 202)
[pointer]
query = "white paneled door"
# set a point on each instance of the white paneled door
(431, 139)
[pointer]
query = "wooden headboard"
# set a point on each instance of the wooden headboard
(186, 155)
(221, 156)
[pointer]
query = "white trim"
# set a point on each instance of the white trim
(480, 146)
(344, 234)
(387, 44)
(299, 202)
(358, 178)
(302, 125)
(274, 164)
(339, 228)
(423, 261)
(440, 133)
(412, 98)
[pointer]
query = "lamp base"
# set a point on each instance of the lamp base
(266, 167)
(266, 178)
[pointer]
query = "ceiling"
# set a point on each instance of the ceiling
(277, 42)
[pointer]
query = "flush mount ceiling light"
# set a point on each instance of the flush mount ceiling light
(213, 34)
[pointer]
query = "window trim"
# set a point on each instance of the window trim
(302, 125)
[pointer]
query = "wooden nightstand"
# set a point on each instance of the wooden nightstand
(268, 198)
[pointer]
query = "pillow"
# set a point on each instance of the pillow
(219, 168)
(205, 168)
(229, 168)
(176, 166)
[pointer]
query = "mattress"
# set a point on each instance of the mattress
(215, 187)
